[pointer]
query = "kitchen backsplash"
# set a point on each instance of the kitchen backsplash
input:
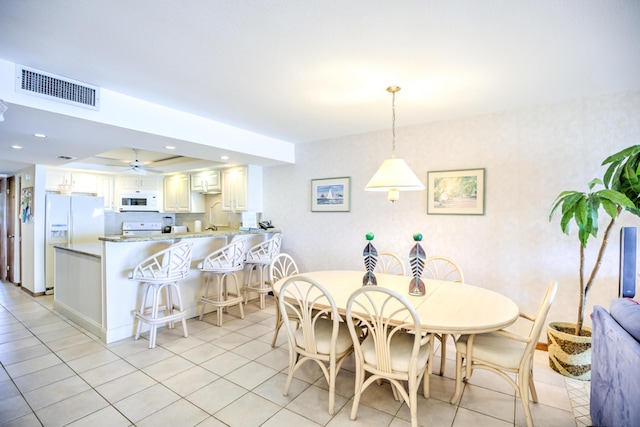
(113, 220)
(213, 215)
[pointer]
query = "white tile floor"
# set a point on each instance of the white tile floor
(54, 373)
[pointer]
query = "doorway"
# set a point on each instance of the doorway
(9, 230)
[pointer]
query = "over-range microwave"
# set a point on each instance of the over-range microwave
(138, 201)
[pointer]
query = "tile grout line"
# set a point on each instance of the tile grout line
(77, 374)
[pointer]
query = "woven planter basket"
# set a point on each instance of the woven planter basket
(569, 355)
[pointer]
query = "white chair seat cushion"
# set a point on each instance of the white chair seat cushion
(494, 349)
(401, 347)
(324, 328)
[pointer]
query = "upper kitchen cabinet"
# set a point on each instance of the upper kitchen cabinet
(136, 182)
(178, 196)
(206, 182)
(66, 182)
(106, 189)
(242, 189)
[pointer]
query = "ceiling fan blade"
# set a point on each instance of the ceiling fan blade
(153, 170)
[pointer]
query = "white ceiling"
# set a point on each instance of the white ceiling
(301, 71)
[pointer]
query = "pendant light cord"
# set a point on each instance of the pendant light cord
(393, 90)
(393, 125)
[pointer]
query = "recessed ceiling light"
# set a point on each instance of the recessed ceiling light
(224, 157)
(16, 147)
(169, 147)
(39, 135)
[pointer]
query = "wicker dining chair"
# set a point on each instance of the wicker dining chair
(394, 348)
(317, 334)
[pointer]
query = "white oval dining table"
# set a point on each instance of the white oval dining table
(446, 307)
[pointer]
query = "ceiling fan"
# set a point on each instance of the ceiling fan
(138, 167)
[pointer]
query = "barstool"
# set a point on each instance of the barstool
(161, 272)
(223, 263)
(258, 259)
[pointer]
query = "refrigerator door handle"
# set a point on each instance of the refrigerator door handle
(69, 226)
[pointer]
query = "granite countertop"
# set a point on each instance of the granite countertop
(222, 232)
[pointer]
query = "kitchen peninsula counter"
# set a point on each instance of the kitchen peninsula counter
(93, 289)
(223, 232)
(77, 288)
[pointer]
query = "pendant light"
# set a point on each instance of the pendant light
(394, 175)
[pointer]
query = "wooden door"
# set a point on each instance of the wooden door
(13, 231)
(3, 229)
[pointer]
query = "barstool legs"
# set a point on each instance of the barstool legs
(221, 300)
(151, 314)
(260, 287)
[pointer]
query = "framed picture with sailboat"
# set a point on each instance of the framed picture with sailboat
(331, 194)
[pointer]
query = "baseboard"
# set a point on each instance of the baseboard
(542, 346)
(33, 294)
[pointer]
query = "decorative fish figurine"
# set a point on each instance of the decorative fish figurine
(416, 259)
(370, 255)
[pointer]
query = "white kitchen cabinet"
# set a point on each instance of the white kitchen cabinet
(242, 189)
(66, 181)
(178, 196)
(84, 183)
(135, 182)
(206, 182)
(106, 189)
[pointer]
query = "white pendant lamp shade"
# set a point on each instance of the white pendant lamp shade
(394, 175)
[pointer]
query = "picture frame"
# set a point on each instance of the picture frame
(331, 194)
(456, 192)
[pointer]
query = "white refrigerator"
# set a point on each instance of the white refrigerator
(70, 219)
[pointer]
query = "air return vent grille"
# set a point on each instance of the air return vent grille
(47, 85)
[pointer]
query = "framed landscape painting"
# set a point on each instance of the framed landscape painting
(455, 192)
(331, 194)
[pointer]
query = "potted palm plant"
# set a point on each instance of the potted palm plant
(570, 343)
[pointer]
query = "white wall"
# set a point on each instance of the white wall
(32, 232)
(530, 156)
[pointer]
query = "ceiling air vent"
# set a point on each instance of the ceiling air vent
(62, 89)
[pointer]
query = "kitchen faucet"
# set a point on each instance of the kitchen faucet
(212, 227)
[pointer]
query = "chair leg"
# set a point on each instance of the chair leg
(206, 293)
(523, 385)
(183, 318)
(157, 291)
(248, 284)
(221, 283)
(358, 391)
(261, 293)
(143, 304)
(413, 401)
(532, 387)
(292, 365)
(169, 303)
(279, 323)
(332, 386)
(261, 272)
(238, 293)
(458, 389)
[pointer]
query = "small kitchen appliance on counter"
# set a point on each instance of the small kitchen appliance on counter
(168, 222)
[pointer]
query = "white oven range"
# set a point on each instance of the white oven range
(150, 228)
